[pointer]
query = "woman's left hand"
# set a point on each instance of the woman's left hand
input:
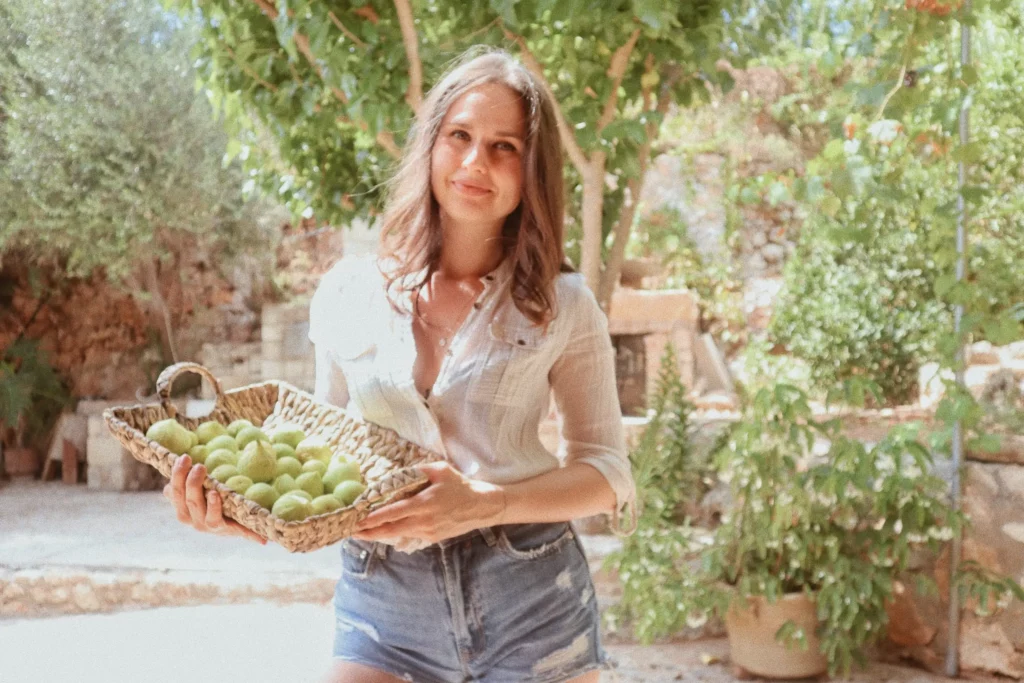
(451, 505)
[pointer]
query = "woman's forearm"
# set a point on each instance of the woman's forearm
(571, 492)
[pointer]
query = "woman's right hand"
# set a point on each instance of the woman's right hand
(201, 510)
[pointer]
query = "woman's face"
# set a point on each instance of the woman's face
(476, 170)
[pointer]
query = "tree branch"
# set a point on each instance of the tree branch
(572, 148)
(624, 225)
(341, 27)
(248, 70)
(414, 93)
(302, 42)
(616, 71)
(387, 140)
(895, 89)
(384, 138)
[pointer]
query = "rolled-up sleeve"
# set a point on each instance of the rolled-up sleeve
(585, 392)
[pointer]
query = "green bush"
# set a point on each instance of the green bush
(861, 311)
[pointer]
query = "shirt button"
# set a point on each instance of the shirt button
(521, 342)
(477, 305)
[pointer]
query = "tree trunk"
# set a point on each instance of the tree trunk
(593, 210)
(617, 254)
(156, 309)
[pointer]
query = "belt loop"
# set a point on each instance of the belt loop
(489, 536)
(381, 549)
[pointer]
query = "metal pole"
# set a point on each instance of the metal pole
(953, 643)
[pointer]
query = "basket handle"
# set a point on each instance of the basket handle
(171, 372)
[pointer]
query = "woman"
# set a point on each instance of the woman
(456, 338)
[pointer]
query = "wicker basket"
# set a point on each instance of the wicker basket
(385, 459)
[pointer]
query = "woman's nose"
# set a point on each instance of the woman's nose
(475, 159)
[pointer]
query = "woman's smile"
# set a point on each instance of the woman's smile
(470, 189)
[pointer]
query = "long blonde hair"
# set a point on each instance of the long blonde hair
(532, 234)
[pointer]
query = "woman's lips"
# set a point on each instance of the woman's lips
(470, 189)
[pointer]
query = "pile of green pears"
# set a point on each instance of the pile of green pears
(293, 475)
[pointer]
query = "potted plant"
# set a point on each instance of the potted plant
(819, 530)
(31, 397)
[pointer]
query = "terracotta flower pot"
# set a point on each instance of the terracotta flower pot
(20, 462)
(751, 628)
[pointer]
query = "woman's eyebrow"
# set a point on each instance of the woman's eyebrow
(462, 123)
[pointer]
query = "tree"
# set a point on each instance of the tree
(107, 151)
(334, 87)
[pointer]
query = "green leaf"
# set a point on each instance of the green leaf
(970, 153)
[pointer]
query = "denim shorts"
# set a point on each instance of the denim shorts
(503, 604)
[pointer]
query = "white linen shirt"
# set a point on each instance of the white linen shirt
(495, 381)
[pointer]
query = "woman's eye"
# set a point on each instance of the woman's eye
(506, 146)
(460, 135)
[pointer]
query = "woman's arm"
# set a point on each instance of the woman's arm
(571, 492)
(454, 504)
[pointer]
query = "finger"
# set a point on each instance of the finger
(195, 498)
(214, 511)
(407, 527)
(435, 471)
(389, 513)
(215, 519)
(178, 474)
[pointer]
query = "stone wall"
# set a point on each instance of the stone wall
(993, 499)
(286, 352)
(234, 365)
(110, 467)
(661, 316)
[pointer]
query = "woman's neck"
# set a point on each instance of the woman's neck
(466, 255)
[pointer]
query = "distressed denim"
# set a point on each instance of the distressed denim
(503, 604)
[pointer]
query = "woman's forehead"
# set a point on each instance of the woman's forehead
(493, 106)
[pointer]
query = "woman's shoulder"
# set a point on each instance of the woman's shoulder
(349, 271)
(571, 291)
(347, 286)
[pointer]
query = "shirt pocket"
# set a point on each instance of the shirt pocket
(358, 362)
(514, 362)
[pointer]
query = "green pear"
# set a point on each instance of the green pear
(301, 494)
(317, 466)
(288, 466)
(258, 462)
(198, 454)
(171, 435)
(223, 441)
(237, 426)
(311, 483)
(224, 472)
(325, 503)
(313, 448)
(347, 466)
(239, 484)
(288, 434)
(210, 430)
(283, 450)
(347, 491)
(285, 483)
(246, 435)
(291, 508)
(221, 456)
(262, 494)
